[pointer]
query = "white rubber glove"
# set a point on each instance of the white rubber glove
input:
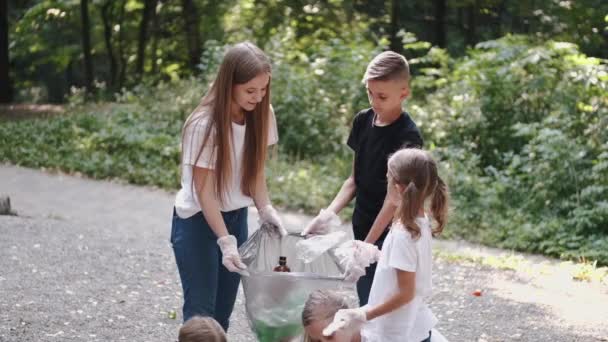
(321, 224)
(355, 256)
(268, 214)
(230, 255)
(347, 320)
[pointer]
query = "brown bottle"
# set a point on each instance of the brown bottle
(282, 267)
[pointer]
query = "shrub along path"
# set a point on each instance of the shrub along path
(89, 260)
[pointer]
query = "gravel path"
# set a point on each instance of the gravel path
(90, 260)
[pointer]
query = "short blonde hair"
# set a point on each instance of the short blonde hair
(201, 329)
(387, 66)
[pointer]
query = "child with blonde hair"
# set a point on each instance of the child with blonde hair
(201, 329)
(319, 311)
(376, 133)
(397, 309)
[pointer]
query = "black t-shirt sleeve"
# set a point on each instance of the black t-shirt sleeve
(411, 137)
(414, 139)
(353, 137)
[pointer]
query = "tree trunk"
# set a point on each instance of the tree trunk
(106, 12)
(470, 37)
(86, 45)
(440, 28)
(501, 9)
(122, 72)
(5, 206)
(149, 9)
(155, 32)
(396, 43)
(192, 32)
(6, 94)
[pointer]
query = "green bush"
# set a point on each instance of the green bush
(523, 127)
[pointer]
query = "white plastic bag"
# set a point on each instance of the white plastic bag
(311, 248)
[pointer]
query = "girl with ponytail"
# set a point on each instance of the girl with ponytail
(397, 309)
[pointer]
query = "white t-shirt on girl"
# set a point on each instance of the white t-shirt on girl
(413, 321)
(186, 203)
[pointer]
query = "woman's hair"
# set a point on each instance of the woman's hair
(416, 171)
(201, 329)
(242, 62)
(321, 305)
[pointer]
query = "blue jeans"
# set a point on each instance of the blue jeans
(364, 284)
(209, 288)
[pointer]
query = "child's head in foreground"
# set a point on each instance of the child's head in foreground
(318, 313)
(387, 81)
(201, 329)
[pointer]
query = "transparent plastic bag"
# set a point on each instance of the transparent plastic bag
(274, 300)
(310, 249)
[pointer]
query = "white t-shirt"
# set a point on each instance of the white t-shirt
(413, 321)
(186, 203)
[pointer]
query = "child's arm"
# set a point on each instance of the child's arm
(346, 193)
(320, 224)
(406, 282)
(203, 183)
(351, 320)
(382, 220)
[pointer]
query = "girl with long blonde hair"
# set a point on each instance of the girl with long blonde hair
(225, 143)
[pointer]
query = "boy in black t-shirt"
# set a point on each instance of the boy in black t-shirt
(377, 132)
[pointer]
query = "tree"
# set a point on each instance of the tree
(440, 14)
(106, 13)
(147, 16)
(395, 41)
(86, 45)
(192, 29)
(5, 82)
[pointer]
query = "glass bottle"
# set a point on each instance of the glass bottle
(282, 267)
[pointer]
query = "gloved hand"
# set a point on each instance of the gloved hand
(355, 256)
(353, 272)
(269, 215)
(230, 255)
(348, 320)
(321, 224)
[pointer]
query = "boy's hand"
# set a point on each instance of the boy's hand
(349, 320)
(322, 223)
(355, 256)
(268, 214)
(230, 255)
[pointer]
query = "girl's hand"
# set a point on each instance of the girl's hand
(347, 320)
(230, 255)
(268, 214)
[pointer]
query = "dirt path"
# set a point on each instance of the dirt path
(90, 260)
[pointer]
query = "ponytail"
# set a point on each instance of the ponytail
(408, 211)
(439, 205)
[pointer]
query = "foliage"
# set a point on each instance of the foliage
(519, 123)
(523, 131)
(47, 58)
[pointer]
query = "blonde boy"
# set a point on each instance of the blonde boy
(377, 132)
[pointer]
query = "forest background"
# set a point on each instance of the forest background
(511, 96)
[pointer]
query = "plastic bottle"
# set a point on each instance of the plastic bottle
(282, 267)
